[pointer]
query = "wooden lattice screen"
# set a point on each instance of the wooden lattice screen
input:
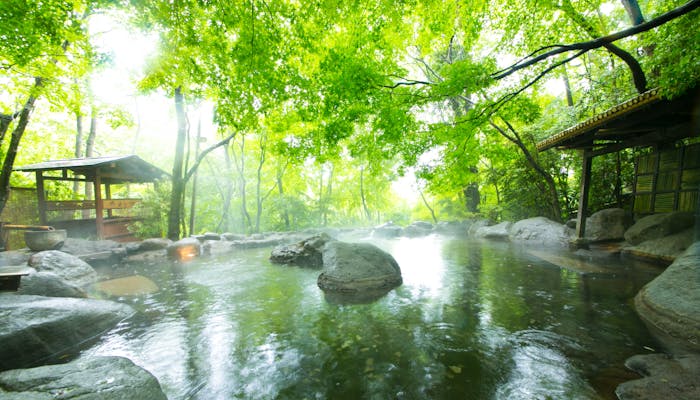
(667, 180)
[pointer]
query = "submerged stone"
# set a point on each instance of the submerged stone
(104, 378)
(128, 286)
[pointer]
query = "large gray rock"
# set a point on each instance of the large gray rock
(306, 253)
(14, 257)
(67, 266)
(669, 304)
(418, 229)
(48, 284)
(498, 232)
(96, 378)
(476, 225)
(663, 378)
(541, 231)
(387, 230)
(37, 329)
(458, 228)
(606, 225)
(83, 246)
(658, 225)
(152, 244)
(357, 267)
(664, 249)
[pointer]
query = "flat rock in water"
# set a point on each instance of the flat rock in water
(570, 263)
(128, 286)
(37, 329)
(663, 250)
(98, 378)
(663, 378)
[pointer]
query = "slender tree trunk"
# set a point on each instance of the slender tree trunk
(425, 201)
(16, 137)
(549, 180)
(89, 150)
(193, 203)
(280, 189)
(258, 189)
(177, 174)
(5, 121)
(225, 222)
(240, 167)
(633, 11)
(567, 86)
(78, 146)
(368, 213)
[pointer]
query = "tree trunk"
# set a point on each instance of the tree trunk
(368, 213)
(258, 189)
(280, 188)
(425, 201)
(5, 121)
(177, 180)
(549, 180)
(193, 203)
(567, 87)
(15, 139)
(633, 11)
(225, 223)
(89, 150)
(240, 167)
(78, 146)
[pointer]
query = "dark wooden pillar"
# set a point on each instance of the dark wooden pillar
(41, 197)
(583, 200)
(98, 205)
(108, 196)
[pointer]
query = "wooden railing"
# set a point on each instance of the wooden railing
(112, 204)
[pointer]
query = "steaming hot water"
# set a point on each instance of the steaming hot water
(477, 320)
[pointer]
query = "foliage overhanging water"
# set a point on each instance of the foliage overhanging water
(472, 320)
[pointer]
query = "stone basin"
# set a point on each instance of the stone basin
(45, 240)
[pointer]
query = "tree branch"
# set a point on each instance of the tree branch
(204, 153)
(599, 42)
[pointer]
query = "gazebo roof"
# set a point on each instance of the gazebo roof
(644, 120)
(114, 169)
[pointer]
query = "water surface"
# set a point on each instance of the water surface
(473, 320)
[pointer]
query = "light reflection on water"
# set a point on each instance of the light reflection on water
(472, 320)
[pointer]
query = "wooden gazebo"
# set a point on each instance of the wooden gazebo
(111, 215)
(665, 180)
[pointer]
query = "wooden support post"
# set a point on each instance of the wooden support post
(108, 196)
(41, 197)
(583, 200)
(98, 205)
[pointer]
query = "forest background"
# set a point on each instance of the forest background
(283, 115)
